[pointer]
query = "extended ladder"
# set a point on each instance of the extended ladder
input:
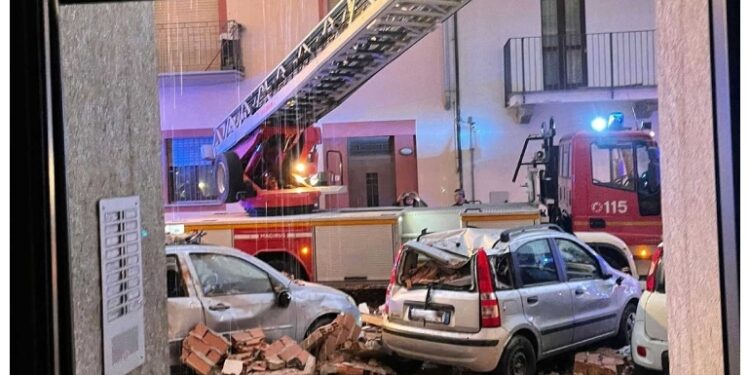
(353, 42)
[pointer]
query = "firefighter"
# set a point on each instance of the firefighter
(459, 197)
(411, 199)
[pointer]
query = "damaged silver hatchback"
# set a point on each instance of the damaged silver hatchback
(228, 290)
(487, 300)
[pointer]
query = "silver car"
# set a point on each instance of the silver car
(229, 290)
(501, 300)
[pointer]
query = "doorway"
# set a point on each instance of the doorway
(564, 44)
(371, 170)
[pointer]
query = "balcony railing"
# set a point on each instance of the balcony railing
(579, 61)
(198, 46)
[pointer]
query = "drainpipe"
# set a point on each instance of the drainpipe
(471, 123)
(452, 85)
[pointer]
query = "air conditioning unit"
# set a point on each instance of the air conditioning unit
(521, 114)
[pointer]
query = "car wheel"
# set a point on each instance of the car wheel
(640, 370)
(322, 321)
(627, 322)
(518, 358)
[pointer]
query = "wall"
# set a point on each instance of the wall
(689, 186)
(111, 139)
(414, 87)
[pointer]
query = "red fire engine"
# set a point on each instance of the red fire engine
(605, 180)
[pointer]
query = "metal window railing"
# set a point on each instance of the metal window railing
(579, 61)
(198, 46)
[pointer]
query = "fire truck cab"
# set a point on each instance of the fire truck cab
(605, 180)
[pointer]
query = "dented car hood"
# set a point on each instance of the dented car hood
(455, 247)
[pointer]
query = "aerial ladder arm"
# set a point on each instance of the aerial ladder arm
(351, 44)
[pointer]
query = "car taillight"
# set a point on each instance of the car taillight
(641, 351)
(651, 278)
(488, 304)
(392, 281)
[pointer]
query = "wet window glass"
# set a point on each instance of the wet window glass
(612, 166)
(222, 275)
(579, 264)
(537, 265)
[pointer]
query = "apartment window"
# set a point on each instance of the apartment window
(564, 44)
(190, 177)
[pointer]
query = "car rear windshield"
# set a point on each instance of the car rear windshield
(420, 271)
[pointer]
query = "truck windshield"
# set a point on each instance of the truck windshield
(613, 166)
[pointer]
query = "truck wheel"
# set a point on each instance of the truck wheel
(518, 358)
(228, 172)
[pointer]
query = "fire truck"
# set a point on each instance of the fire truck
(604, 180)
(346, 248)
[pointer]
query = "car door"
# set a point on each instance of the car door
(184, 309)
(237, 294)
(545, 298)
(594, 307)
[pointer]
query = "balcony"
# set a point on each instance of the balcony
(199, 52)
(580, 68)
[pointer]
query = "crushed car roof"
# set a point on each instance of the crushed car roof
(462, 242)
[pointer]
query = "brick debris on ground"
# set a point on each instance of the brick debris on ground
(340, 347)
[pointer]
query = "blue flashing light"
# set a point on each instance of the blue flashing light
(599, 124)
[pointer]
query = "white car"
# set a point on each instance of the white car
(649, 339)
(613, 249)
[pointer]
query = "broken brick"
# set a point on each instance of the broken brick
(232, 367)
(198, 362)
(274, 362)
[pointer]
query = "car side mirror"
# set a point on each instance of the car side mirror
(619, 280)
(284, 298)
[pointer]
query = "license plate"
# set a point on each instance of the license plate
(431, 316)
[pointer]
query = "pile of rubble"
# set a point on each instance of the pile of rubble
(431, 272)
(603, 361)
(205, 351)
(341, 347)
